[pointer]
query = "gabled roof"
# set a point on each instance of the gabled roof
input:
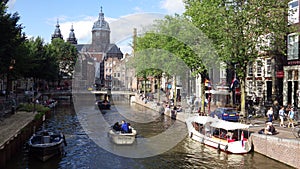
(114, 51)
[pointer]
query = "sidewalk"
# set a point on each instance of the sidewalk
(256, 123)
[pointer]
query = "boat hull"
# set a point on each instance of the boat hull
(122, 138)
(45, 150)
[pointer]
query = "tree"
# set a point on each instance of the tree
(65, 54)
(11, 39)
(177, 38)
(241, 30)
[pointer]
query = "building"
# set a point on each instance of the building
(291, 68)
(96, 60)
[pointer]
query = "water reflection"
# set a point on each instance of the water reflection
(82, 152)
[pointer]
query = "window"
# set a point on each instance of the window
(293, 47)
(259, 68)
(250, 70)
(296, 75)
(115, 75)
(118, 74)
(290, 74)
(259, 86)
(269, 65)
(293, 11)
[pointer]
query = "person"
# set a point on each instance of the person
(270, 129)
(276, 108)
(174, 113)
(291, 116)
(129, 128)
(281, 116)
(117, 126)
(270, 114)
(124, 127)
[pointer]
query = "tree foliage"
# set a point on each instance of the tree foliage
(241, 30)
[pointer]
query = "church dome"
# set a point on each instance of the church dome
(101, 24)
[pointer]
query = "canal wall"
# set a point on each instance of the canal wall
(281, 149)
(14, 141)
(285, 150)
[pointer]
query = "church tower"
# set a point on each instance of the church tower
(100, 35)
(57, 33)
(72, 39)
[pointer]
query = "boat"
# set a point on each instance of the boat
(103, 104)
(45, 145)
(119, 137)
(51, 103)
(220, 134)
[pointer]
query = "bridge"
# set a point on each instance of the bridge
(70, 93)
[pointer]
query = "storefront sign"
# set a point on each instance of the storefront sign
(280, 74)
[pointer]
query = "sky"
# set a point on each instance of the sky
(39, 17)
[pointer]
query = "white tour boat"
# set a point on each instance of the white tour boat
(222, 135)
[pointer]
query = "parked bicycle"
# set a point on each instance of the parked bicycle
(296, 131)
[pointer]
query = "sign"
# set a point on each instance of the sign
(280, 74)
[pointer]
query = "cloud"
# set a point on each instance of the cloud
(173, 6)
(11, 4)
(121, 28)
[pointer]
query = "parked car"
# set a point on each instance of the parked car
(226, 113)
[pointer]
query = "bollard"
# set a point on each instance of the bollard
(2, 157)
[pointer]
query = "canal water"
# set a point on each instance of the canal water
(82, 152)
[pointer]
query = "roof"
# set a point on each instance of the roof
(226, 125)
(114, 51)
(217, 123)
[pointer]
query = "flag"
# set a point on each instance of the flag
(242, 138)
(234, 82)
(207, 83)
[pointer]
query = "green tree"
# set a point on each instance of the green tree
(241, 30)
(180, 38)
(65, 54)
(11, 39)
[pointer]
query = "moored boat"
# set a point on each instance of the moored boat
(222, 135)
(45, 145)
(103, 104)
(119, 137)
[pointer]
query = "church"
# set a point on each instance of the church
(96, 61)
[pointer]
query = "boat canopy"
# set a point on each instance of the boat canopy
(217, 123)
(226, 125)
(203, 119)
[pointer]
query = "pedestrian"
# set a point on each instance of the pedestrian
(270, 114)
(291, 116)
(174, 113)
(281, 116)
(276, 109)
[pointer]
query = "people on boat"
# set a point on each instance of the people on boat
(117, 126)
(124, 127)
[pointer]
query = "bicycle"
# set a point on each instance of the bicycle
(296, 132)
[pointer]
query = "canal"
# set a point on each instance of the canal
(82, 152)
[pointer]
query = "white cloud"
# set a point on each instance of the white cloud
(11, 4)
(173, 6)
(121, 28)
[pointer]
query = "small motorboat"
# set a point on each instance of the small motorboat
(103, 104)
(51, 103)
(45, 145)
(119, 137)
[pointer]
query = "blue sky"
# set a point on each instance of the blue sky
(39, 17)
